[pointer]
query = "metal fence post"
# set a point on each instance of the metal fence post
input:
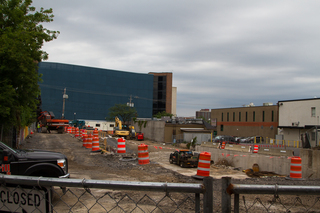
(225, 197)
(208, 195)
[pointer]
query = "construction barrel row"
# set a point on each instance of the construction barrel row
(91, 141)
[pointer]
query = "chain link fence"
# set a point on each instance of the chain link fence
(274, 198)
(39, 194)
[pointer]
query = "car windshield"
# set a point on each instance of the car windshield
(13, 150)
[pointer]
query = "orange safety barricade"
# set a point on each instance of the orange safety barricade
(121, 145)
(76, 133)
(85, 140)
(89, 142)
(96, 133)
(95, 144)
(295, 168)
(204, 164)
(81, 133)
(73, 130)
(255, 149)
(143, 154)
(69, 129)
(223, 145)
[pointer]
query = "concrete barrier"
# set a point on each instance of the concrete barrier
(240, 148)
(241, 160)
(210, 144)
(275, 152)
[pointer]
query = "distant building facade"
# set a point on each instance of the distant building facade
(162, 92)
(298, 117)
(92, 91)
(204, 113)
(246, 121)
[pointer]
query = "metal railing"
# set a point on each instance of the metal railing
(272, 203)
(81, 195)
(283, 143)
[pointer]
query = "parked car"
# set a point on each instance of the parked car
(224, 138)
(245, 140)
(251, 139)
(238, 139)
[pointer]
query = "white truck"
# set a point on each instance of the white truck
(103, 125)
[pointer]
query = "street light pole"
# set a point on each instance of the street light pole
(65, 96)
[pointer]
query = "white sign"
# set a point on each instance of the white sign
(17, 199)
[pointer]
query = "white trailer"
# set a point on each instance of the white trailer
(106, 126)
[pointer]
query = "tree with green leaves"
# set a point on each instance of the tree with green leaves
(162, 114)
(21, 39)
(123, 112)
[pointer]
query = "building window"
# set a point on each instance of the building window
(262, 116)
(313, 112)
(227, 116)
(221, 128)
(234, 116)
(272, 116)
(221, 116)
(254, 116)
(246, 116)
(239, 116)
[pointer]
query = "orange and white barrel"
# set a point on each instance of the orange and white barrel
(69, 129)
(73, 130)
(255, 149)
(95, 144)
(121, 145)
(85, 140)
(89, 142)
(76, 133)
(204, 164)
(143, 154)
(223, 145)
(82, 131)
(96, 133)
(295, 168)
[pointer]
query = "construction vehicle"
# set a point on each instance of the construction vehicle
(184, 158)
(78, 123)
(139, 136)
(48, 122)
(122, 130)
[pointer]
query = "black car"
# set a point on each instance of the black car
(223, 138)
(32, 162)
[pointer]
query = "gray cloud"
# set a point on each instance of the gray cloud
(222, 54)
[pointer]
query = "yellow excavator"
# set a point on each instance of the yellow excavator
(125, 131)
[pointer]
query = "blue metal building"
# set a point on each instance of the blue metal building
(92, 91)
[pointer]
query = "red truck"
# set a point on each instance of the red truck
(47, 121)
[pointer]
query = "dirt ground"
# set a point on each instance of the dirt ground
(109, 166)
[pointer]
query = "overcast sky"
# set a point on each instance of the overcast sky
(222, 53)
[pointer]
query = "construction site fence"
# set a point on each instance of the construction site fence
(283, 198)
(40, 194)
(279, 143)
(13, 137)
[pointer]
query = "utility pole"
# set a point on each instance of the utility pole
(65, 96)
(130, 104)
